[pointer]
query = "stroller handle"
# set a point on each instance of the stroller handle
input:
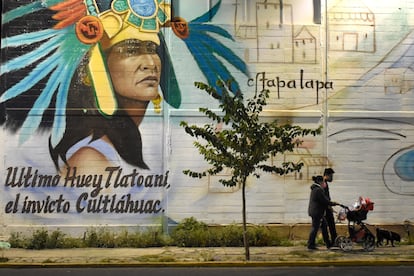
(344, 206)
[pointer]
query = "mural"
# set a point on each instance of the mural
(95, 66)
(93, 91)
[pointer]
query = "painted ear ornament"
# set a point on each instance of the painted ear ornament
(157, 103)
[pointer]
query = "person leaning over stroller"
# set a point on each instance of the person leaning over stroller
(318, 203)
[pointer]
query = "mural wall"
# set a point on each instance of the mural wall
(93, 92)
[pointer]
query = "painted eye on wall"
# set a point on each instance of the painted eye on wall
(404, 166)
(398, 172)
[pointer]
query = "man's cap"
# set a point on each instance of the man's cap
(328, 171)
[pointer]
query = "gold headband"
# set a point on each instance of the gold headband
(124, 21)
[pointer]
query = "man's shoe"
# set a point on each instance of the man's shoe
(312, 248)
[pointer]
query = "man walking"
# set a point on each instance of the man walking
(329, 214)
(318, 203)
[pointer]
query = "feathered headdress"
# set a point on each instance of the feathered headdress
(87, 28)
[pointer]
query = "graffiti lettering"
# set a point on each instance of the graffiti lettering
(47, 205)
(111, 204)
(261, 83)
(80, 181)
(117, 179)
(11, 206)
(29, 178)
(94, 200)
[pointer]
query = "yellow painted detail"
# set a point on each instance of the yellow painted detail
(101, 81)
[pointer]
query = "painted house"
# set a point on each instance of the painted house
(268, 30)
(305, 47)
(351, 27)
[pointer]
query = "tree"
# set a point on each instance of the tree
(245, 143)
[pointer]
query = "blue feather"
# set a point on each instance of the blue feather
(213, 62)
(34, 116)
(27, 9)
(204, 49)
(31, 57)
(209, 28)
(59, 123)
(29, 38)
(37, 74)
(209, 64)
(61, 65)
(223, 51)
(213, 66)
(201, 62)
(208, 15)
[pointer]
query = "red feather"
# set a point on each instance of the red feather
(68, 13)
(65, 5)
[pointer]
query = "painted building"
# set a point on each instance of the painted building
(352, 27)
(305, 48)
(93, 93)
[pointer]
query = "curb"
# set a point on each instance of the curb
(205, 257)
(213, 264)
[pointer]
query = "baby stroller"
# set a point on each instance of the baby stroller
(358, 231)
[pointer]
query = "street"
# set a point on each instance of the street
(211, 271)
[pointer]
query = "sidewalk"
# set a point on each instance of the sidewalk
(225, 256)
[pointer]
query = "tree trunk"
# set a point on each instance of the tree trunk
(245, 237)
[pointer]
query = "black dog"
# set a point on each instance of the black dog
(383, 234)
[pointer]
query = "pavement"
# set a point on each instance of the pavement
(297, 255)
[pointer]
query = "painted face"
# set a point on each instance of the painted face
(135, 69)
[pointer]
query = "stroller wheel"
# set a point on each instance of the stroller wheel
(344, 243)
(369, 242)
